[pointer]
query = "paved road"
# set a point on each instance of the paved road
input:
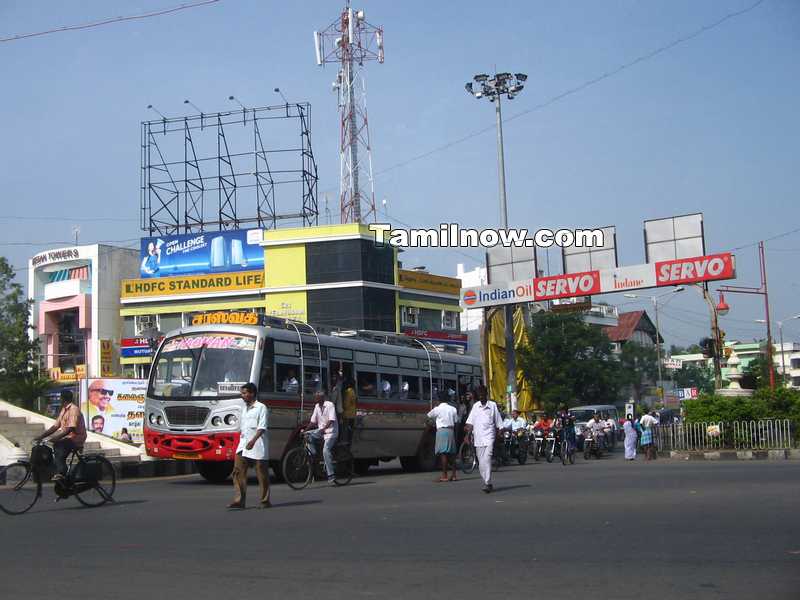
(662, 530)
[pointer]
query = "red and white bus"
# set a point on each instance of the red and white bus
(193, 406)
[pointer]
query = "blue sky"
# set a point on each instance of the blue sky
(709, 126)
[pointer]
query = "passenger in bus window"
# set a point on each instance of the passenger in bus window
(290, 384)
(349, 405)
(386, 388)
(404, 391)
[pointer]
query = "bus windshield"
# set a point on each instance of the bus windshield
(202, 365)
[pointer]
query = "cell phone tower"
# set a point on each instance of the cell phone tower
(350, 42)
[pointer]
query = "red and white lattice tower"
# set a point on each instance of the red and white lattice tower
(351, 42)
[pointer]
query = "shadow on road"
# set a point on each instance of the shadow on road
(507, 488)
(81, 507)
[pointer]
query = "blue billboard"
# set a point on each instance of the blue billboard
(198, 253)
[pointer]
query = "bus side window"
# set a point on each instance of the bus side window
(287, 378)
(367, 383)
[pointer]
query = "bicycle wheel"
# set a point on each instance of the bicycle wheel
(297, 468)
(343, 467)
(99, 475)
(468, 458)
(548, 452)
(19, 489)
(564, 453)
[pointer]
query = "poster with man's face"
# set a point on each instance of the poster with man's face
(115, 407)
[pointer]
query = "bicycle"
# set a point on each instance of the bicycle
(301, 465)
(90, 478)
(467, 456)
(567, 453)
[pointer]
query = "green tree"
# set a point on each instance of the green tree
(692, 349)
(638, 367)
(756, 374)
(19, 371)
(569, 362)
(699, 376)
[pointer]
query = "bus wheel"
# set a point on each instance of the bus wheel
(361, 466)
(425, 456)
(213, 471)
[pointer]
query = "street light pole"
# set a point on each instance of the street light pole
(493, 88)
(654, 300)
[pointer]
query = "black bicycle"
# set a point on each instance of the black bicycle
(467, 457)
(301, 465)
(90, 478)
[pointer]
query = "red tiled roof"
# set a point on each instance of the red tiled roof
(626, 326)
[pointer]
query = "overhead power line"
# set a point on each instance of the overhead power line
(147, 15)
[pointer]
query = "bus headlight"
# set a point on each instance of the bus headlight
(159, 420)
(216, 421)
(152, 418)
(231, 419)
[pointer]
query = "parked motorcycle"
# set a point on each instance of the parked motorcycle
(551, 448)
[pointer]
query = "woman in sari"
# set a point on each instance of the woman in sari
(630, 438)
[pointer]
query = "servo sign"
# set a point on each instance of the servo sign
(713, 267)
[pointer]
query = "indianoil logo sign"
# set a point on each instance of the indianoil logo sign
(488, 295)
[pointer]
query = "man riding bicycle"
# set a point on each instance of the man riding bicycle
(325, 428)
(565, 424)
(70, 433)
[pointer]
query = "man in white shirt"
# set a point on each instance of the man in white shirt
(252, 449)
(446, 416)
(515, 422)
(325, 427)
(484, 421)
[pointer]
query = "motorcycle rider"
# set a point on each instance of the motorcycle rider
(597, 426)
(516, 421)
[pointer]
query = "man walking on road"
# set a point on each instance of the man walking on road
(484, 421)
(446, 416)
(252, 450)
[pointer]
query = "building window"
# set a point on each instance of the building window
(409, 316)
(144, 322)
(449, 320)
(167, 323)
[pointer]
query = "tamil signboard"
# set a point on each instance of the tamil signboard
(697, 269)
(191, 284)
(112, 405)
(196, 253)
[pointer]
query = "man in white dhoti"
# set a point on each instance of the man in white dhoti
(484, 420)
(630, 438)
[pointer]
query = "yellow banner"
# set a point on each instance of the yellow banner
(223, 317)
(191, 284)
(432, 283)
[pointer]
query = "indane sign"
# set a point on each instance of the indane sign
(636, 277)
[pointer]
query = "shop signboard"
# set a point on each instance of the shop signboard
(191, 285)
(201, 253)
(112, 404)
(135, 347)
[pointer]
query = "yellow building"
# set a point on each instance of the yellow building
(333, 276)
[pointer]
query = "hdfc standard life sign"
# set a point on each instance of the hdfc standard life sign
(712, 267)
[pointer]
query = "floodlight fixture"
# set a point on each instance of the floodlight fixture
(481, 77)
(521, 77)
(189, 102)
(155, 110)
(468, 87)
